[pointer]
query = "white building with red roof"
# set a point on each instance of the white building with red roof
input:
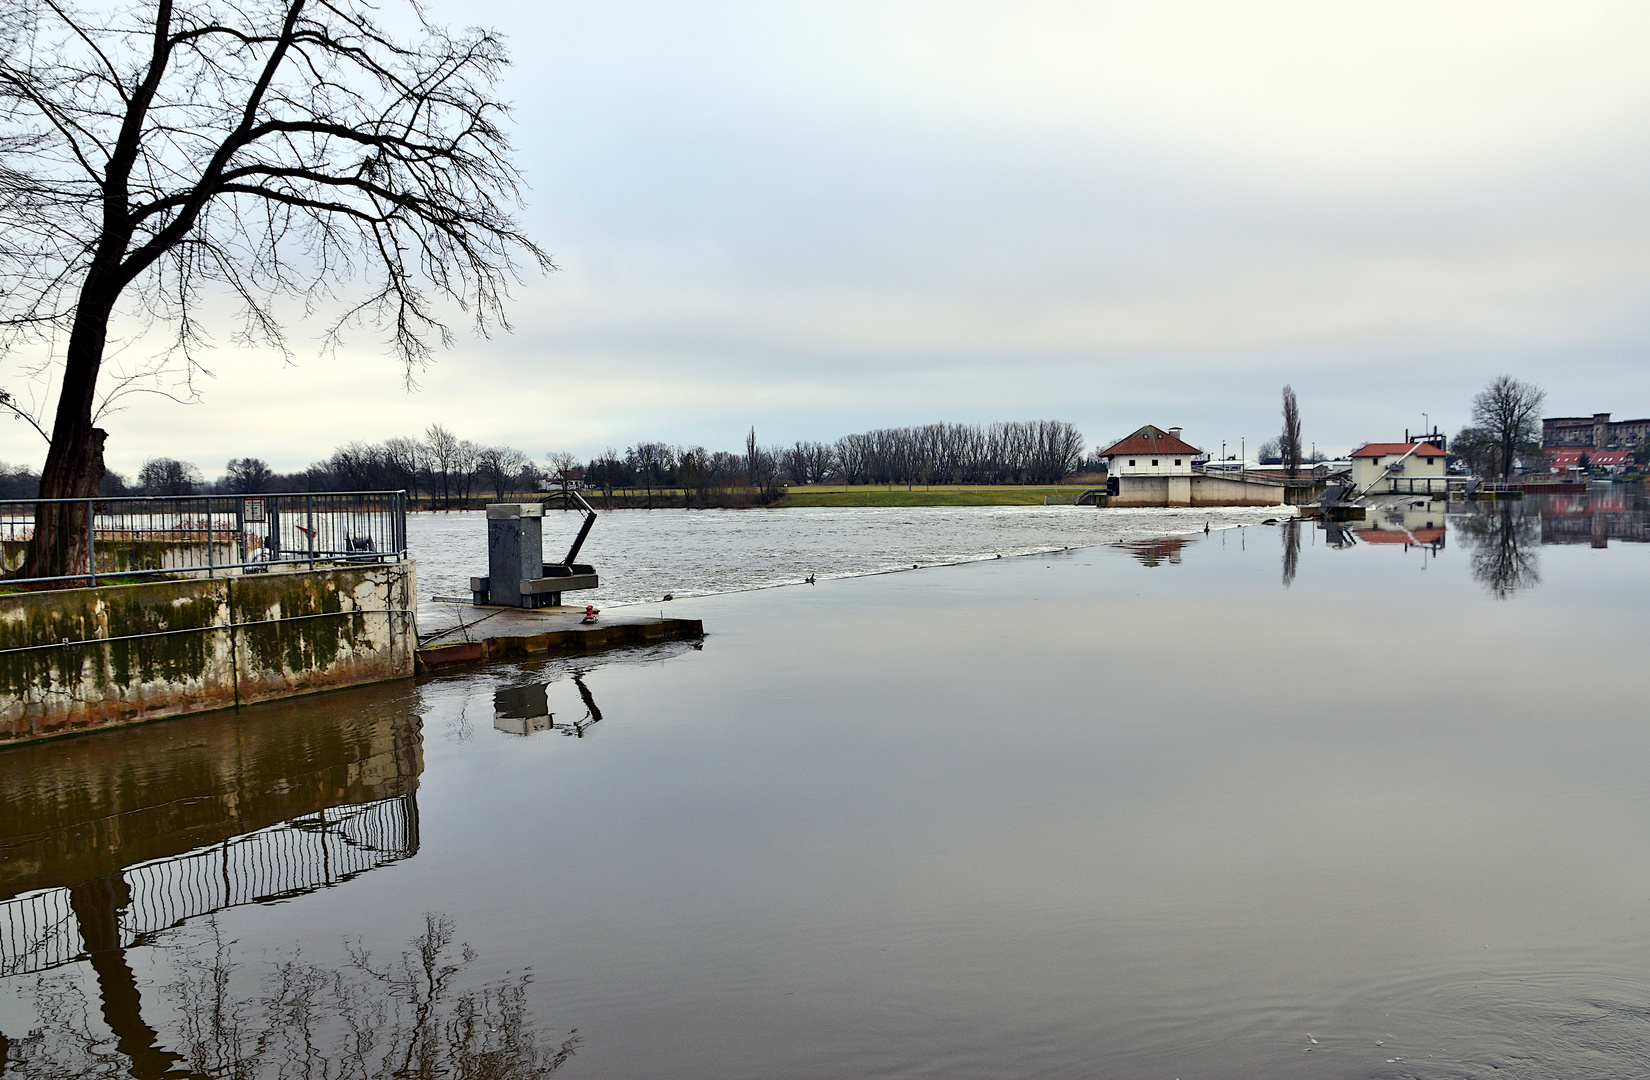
(1151, 451)
(1379, 468)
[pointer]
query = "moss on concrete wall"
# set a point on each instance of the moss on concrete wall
(74, 659)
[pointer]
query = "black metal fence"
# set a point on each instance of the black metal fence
(39, 930)
(197, 535)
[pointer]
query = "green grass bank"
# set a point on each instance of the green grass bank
(948, 495)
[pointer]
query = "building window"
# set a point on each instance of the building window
(1429, 461)
(1177, 461)
(1131, 461)
(1154, 461)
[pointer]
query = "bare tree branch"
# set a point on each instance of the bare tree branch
(267, 150)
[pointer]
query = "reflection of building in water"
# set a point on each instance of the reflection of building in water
(1156, 552)
(109, 838)
(525, 710)
(1593, 519)
(1410, 524)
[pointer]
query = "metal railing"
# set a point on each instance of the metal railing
(1417, 485)
(39, 930)
(193, 535)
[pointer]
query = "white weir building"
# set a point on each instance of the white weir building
(1409, 468)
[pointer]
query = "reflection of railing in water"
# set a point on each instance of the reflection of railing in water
(39, 930)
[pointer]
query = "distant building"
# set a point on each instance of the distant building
(572, 478)
(1596, 431)
(1379, 468)
(1562, 459)
(1151, 451)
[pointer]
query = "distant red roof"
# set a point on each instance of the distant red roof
(1566, 457)
(1384, 449)
(1150, 440)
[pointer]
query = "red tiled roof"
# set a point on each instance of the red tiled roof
(1382, 449)
(1564, 457)
(1150, 440)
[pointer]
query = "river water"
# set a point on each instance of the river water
(641, 555)
(1284, 801)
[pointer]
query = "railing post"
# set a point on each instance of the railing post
(309, 526)
(91, 543)
(211, 560)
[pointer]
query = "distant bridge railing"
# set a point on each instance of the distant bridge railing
(195, 535)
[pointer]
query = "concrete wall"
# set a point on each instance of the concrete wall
(80, 659)
(1197, 490)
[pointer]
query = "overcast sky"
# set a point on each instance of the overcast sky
(819, 218)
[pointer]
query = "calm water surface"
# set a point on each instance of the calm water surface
(1275, 801)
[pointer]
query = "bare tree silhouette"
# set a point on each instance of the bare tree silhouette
(271, 148)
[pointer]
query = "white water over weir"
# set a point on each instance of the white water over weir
(645, 554)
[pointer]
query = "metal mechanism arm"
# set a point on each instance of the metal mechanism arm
(584, 531)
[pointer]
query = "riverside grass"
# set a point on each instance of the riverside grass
(812, 495)
(947, 495)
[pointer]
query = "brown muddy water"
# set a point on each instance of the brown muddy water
(1274, 801)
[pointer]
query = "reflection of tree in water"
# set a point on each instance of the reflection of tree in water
(1504, 545)
(406, 1018)
(1291, 550)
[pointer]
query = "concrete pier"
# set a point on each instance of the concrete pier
(472, 635)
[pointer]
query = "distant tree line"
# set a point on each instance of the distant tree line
(445, 469)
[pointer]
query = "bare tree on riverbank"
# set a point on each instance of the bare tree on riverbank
(1506, 422)
(272, 149)
(1289, 443)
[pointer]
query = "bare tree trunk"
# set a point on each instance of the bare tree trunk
(1291, 441)
(74, 465)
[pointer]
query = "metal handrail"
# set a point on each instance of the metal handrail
(259, 531)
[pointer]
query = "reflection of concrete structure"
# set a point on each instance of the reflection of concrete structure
(1593, 519)
(1408, 468)
(1157, 551)
(525, 710)
(108, 839)
(1406, 525)
(1596, 431)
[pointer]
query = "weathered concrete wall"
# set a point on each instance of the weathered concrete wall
(79, 659)
(1198, 490)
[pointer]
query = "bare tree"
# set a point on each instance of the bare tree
(562, 466)
(441, 446)
(168, 476)
(275, 148)
(1289, 443)
(247, 476)
(1509, 414)
(500, 467)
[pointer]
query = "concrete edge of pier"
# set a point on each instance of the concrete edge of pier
(476, 646)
